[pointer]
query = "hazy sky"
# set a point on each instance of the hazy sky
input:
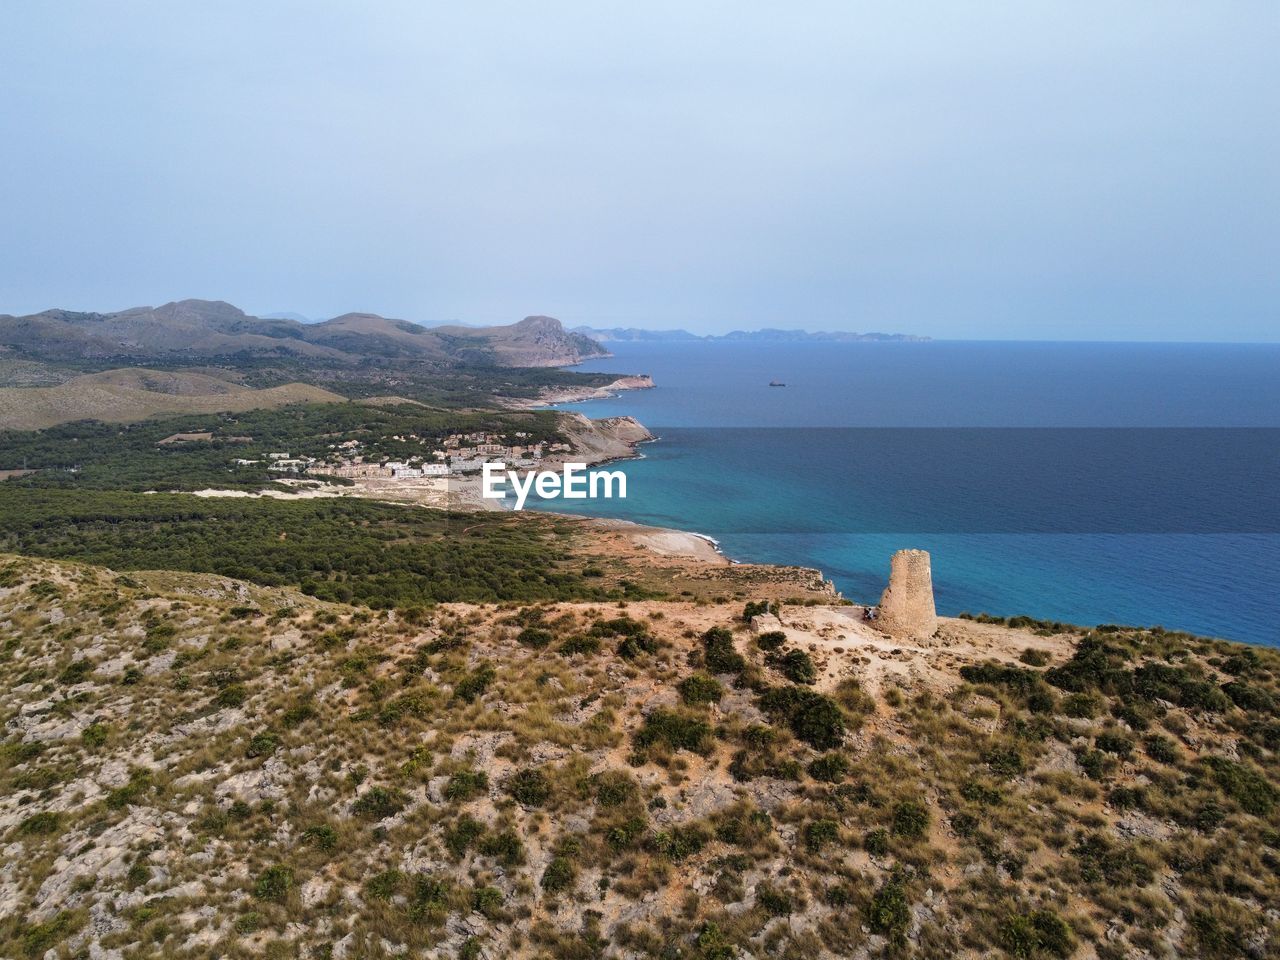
(1020, 169)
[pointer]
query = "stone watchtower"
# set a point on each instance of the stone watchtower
(906, 608)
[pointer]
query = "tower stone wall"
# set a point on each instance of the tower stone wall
(906, 607)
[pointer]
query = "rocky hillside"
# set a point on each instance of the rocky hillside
(195, 767)
(213, 329)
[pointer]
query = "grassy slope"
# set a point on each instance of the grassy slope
(119, 397)
(199, 767)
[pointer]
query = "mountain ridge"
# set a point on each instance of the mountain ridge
(763, 335)
(215, 328)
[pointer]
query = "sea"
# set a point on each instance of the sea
(1090, 483)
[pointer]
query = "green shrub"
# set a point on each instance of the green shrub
(1161, 749)
(475, 683)
(1243, 784)
(798, 667)
(612, 788)
(535, 637)
(466, 785)
(579, 644)
(487, 901)
(505, 847)
(1040, 932)
(1034, 658)
(819, 833)
(677, 731)
(39, 938)
(322, 837)
(40, 824)
(461, 835)
(1115, 743)
(274, 883)
(772, 640)
(262, 745)
(814, 718)
(233, 695)
(829, 768)
(910, 819)
(384, 885)
(720, 654)
(529, 787)
(876, 842)
(712, 944)
(1004, 761)
(889, 913)
(777, 903)
(559, 875)
(378, 803)
(700, 688)
(95, 734)
(680, 842)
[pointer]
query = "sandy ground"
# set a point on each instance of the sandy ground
(843, 645)
(664, 542)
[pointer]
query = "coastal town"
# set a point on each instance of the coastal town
(459, 454)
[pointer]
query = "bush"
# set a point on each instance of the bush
(95, 734)
(700, 688)
(1161, 749)
(475, 684)
(1004, 761)
(322, 836)
(814, 718)
(889, 913)
(1115, 743)
(720, 653)
(677, 731)
(1243, 784)
(462, 834)
(40, 824)
(1032, 934)
(274, 883)
(910, 819)
(772, 640)
(797, 666)
(559, 875)
(775, 902)
(679, 843)
(262, 745)
(529, 787)
(829, 768)
(876, 842)
(505, 847)
(819, 833)
(378, 803)
(1034, 658)
(383, 886)
(579, 644)
(466, 785)
(612, 788)
(535, 637)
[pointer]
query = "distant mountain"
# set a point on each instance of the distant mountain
(767, 335)
(206, 329)
(633, 333)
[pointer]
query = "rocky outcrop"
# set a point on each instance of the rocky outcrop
(595, 441)
(906, 607)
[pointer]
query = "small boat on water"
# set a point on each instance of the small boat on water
(776, 383)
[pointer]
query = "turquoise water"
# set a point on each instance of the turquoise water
(1135, 523)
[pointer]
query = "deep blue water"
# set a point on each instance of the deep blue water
(1121, 498)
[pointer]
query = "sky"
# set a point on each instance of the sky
(1021, 169)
